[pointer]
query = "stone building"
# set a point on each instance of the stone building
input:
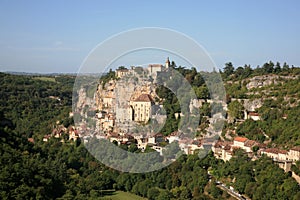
(141, 108)
(294, 153)
(122, 72)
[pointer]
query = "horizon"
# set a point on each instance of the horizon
(114, 68)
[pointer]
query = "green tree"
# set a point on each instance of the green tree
(164, 195)
(228, 69)
(235, 110)
(152, 193)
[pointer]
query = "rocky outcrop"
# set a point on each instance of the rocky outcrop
(265, 80)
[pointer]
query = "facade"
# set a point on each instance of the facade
(294, 153)
(223, 150)
(124, 114)
(154, 68)
(173, 137)
(122, 72)
(107, 101)
(248, 145)
(239, 142)
(156, 138)
(282, 155)
(271, 152)
(254, 116)
(141, 108)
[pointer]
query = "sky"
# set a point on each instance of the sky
(58, 35)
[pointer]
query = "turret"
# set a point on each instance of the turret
(167, 63)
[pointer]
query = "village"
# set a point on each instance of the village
(126, 106)
(117, 116)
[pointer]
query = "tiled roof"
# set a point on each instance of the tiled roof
(240, 139)
(250, 143)
(253, 114)
(296, 148)
(272, 150)
(144, 98)
(218, 144)
(227, 147)
(275, 151)
(283, 151)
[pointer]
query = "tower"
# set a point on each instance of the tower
(167, 63)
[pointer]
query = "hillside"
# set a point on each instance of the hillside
(33, 106)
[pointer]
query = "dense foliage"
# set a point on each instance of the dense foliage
(260, 179)
(34, 104)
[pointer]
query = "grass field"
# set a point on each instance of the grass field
(44, 78)
(119, 195)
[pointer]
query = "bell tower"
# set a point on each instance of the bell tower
(167, 63)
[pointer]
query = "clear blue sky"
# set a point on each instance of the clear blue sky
(56, 36)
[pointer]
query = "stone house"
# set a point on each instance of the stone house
(254, 116)
(239, 142)
(122, 72)
(141, 108)
(271, 152)
(294, 153)
(156, 138)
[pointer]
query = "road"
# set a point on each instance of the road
(231, 192)
(226, 189)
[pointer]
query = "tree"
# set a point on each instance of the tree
(164, 195)
(235, 110)
(215, 191)
(228, 69)
(268, 67)
(152, 193)
(277, 68)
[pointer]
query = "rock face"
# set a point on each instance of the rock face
(119, 99)
(252, 105)
(261, 81)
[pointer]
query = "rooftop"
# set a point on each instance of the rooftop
(144, 98)
(296, 148)
(275, 151)
(250, 143)
(254, 114)
(240, 139)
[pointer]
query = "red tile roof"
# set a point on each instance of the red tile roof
(240, 139)
(275, 151)
(283, 151)
(253, 114)
(250, 143)
(296, 148)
